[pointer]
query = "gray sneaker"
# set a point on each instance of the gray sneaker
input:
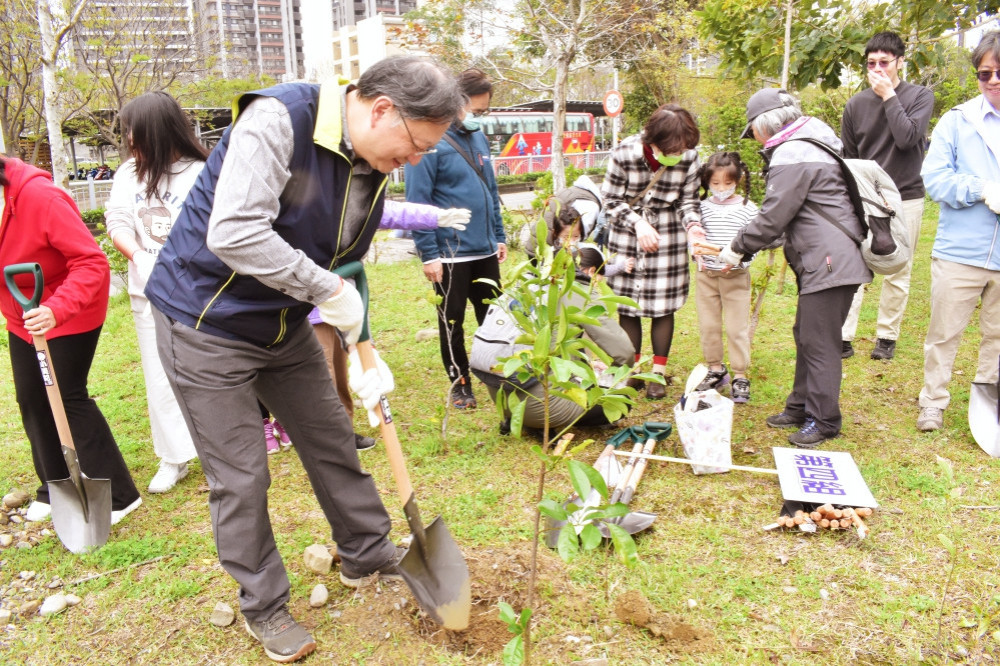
(388, 571)
(931, 418)
(284, 640)
(884, 350)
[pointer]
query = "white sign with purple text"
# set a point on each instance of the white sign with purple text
(819, 477)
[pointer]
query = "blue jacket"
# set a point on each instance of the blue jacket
(959, 163)
(445, 179)
(193, 286)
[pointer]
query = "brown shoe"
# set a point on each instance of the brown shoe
(656, 391)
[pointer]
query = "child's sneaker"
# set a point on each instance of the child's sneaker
(281, 435)
(715, 379)
(272, 443)
(741, 389)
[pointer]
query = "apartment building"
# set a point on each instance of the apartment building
(254, 36)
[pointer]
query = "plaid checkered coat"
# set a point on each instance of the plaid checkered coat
(659, 283)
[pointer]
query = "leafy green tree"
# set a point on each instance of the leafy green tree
(20, 74)
(828, 36)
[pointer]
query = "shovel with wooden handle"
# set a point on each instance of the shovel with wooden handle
(81, 506)
(637, 521)
(433, 566)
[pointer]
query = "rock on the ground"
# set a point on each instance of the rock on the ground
(29, 607)
(72, 600)
(5, 616)
(15, 499)
(318, 558)
(319, 596)
(52, 605)
(427, 334)
(222, 615)
(6, 540)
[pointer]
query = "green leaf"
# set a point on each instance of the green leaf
(967, 623)
(552, 509)
(624, 545)
(580, 478)
(590, 536)
(567, 544)
(948, 545)
(507, 615)
(513, 652)
(578, 395)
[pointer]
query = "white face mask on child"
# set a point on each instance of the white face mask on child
(722, 195)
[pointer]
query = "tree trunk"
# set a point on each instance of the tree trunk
(788, 45)
(559, 123)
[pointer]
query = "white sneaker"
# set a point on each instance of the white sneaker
(38, 511)
(167, 476)
(116, 516)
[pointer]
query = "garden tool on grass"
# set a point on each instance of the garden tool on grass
(433, 566)
(81, 506)
(637, 521)
(984, 416)
(610, 470)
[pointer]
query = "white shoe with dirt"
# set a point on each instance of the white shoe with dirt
(167, 476)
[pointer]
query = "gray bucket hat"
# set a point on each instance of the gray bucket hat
(761, 101)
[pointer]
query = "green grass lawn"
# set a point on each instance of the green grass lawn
(896, 597)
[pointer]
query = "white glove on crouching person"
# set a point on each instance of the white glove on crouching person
(369, 385)
(344, 311)
(728, 256)
(991, 196)
(454, 218)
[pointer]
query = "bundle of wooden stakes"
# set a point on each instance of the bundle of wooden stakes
(827, 517)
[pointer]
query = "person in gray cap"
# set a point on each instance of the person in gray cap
(804, 182)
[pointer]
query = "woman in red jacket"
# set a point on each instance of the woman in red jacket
(39, 223)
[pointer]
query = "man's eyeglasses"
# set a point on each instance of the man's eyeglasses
(883, 64)
(986, 75)
(480, 114)
(418, 151)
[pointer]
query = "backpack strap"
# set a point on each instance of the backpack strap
(461, 151)
(852, 191)
(656, 176)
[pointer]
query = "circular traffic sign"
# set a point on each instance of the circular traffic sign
(613, 103)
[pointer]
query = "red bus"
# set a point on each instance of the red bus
(521, 141)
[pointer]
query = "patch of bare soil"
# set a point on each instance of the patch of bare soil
(496, 575)
(633, 608)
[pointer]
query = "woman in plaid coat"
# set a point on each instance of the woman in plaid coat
(651, 195)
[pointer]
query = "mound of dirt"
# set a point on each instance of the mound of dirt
(633, 608)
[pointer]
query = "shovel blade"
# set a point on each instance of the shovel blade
(983, 415)
(81, 529)
(439, 577)
(632, 522)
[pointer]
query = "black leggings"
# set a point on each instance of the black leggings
(458, 286)
(661, 332)
(71, 356)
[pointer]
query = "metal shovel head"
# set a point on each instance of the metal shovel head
(632, 522)
(81, 529)
(438, 577)
(983, 415)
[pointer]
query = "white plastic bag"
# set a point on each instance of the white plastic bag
(706, 433)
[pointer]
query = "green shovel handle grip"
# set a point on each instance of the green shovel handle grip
(19, 269)
(356, 270)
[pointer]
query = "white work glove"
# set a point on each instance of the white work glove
(728, 256)
(369, 385)
(144, 263)
(344, 311)
(454, 218)
(991, 196)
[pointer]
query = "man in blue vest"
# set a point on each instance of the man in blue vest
(294, 188)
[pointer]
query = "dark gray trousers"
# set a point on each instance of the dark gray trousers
(217, 383)
(816, 391)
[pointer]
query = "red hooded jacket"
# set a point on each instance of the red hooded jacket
(41, 224)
